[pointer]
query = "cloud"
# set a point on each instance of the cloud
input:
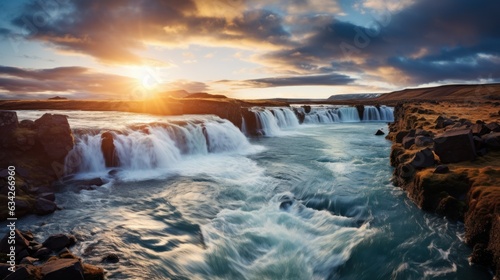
(427, 41)
(64, 80)
(116, 31)
(311, 80)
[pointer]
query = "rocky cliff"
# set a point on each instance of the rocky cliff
(447, 158)
(35, 150)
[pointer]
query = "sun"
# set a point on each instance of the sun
(147, 80)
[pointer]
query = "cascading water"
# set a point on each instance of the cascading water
(157, 146)
(272, 121)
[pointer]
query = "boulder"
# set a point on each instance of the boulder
(21, 273)
(494, 127)
(44, 206)
(8, 121)
(442, 122)
(48, 196)
(408, 141)
(4, 270)
(400, 135)
(62, 269)
(110, 258)
(423, 158)
(479, 129)
(442, 169)
(29, 124)
(422, 141)
(57, 242)
(307, 108)
(108, 149)
(42, 253)
(252, 122)
(455, 146)
(54, 133)
(492, 140)
(21, 242)
(451, 208)
(92, 272)
(379, 132)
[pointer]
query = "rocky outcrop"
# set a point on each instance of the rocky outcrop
(458, 190)
(54, 134)
(50, 260)
(37, 150)
(455, 146)
(108, 149)
(8, 121)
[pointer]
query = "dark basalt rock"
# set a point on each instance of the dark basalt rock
(8, 121)
(400, 136)
(455, 146)
(110, 258)
(55, 135)
(108, 149)
(307, 109)
(379, 132)
(442, 122)
(423, 158)
(251, 121)
(44, 206)
(21, 242)
(63, 269)
(494, 127)
(57, 242)
(492, 140)
(479, 129)
(422, 141)
(442, 169)
(408, 141)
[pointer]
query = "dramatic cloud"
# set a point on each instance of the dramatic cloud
(429, 41)
(369, 43)
(80, 82)
(312, 80)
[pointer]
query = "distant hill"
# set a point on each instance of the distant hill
(357, 96)
(461, 93)
(175, 93)
(58, 98)
(205, 95)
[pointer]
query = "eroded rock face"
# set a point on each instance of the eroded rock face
(455, 146)
(55, 135)
(8, 121)
(109, 150)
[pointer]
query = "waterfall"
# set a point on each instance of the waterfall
(272, 121)
(156, 146)
(379, 113)
(331, 115)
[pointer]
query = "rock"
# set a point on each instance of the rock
(408, 141)
(480, 255)
(21, 273)
(492, 140)
(23, 207)
(400, 135)
(494, 127)
(108, 149)
(455, 146)
(62, 269)
(44, 206)
(28, 235)
(442, 122)
(42, 253)
(92, 272)
(423, 158)
(422, 132)
(89, 182)
(29, 124)
(361, 111)
(379, 132)
(422, 141)
(8, 121)
(110, 258)
(21, 242)
(4, 270)
(28, 260)
(48, 196)
(57, 242)
(55, 135)
(451, 208)
(307, 109)
(252, 122)
(442, 169)
(479, 129)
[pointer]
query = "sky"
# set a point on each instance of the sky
(251, 49)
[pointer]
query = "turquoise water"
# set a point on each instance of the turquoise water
(315, 202)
